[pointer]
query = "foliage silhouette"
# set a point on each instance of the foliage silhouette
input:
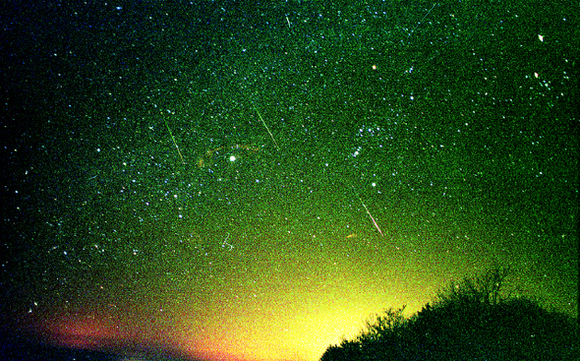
(470, 320)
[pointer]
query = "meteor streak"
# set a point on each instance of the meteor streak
(174, 142)
(265, 126)
(369, 213)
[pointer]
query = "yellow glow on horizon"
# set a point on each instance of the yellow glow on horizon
(267, 334)
(297, 317)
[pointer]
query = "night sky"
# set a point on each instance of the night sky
(252, 180)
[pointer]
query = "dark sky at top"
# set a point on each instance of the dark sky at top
(252, 180)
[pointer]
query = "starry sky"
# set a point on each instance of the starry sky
(245, 180)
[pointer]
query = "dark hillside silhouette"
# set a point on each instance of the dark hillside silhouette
(469, 320)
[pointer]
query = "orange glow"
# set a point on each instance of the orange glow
(85, 332)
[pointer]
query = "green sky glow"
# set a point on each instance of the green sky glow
(207, 178)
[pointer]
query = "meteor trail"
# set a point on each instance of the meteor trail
(369, 213)
(174, 142)
(265, 126)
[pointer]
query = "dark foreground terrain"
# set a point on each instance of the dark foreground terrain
(470, 320)
(26, 350)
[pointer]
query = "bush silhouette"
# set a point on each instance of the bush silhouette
(470, 320)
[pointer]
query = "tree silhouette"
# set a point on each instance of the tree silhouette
(474, 319)
(485, 289)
